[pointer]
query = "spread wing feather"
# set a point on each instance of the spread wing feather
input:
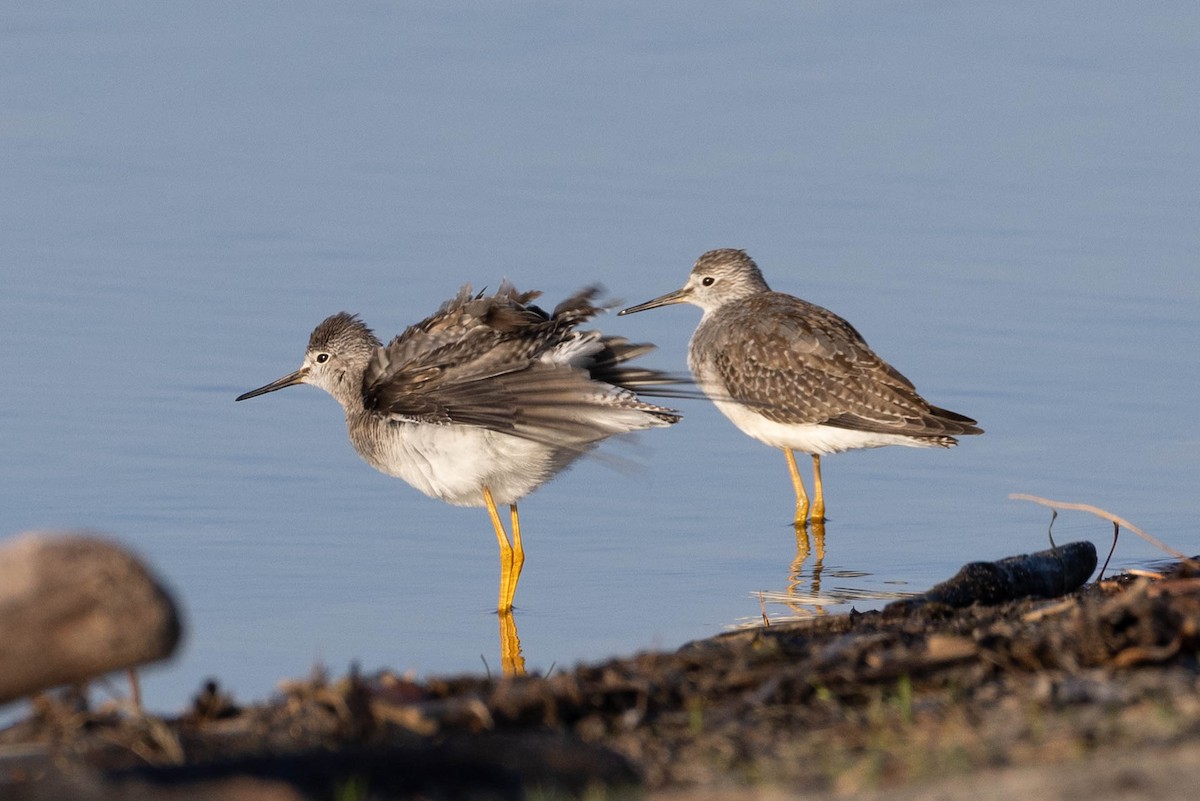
(501, 363)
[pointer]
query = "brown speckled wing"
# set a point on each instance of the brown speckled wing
(796, 363)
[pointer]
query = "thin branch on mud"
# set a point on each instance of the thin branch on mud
(1109, 516)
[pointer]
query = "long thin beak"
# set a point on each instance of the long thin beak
(291, 379)
(678, 296)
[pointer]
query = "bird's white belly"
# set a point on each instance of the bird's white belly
(810, 437)
(454, 463)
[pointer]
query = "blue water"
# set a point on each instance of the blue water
(1003, 199)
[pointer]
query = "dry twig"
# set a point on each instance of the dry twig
(1109, 516)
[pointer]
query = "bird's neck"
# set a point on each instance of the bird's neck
(348, 393)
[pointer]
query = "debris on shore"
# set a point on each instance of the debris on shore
(843, 704)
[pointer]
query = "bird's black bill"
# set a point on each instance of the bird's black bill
(678, 296)
(291, 379)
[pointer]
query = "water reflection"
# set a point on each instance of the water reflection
(804, 598)
(512, 661)
(797, 596)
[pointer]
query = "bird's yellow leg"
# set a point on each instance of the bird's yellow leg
(818, 511)
(506, 554)
(518, 552)
(798, 483)
(512, 662)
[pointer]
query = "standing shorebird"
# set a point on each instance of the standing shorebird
(796, 376)
(483, 402)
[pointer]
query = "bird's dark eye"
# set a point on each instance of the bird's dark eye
(322, 358)
(708, 281)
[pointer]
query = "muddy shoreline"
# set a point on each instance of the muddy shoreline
(1095, 693)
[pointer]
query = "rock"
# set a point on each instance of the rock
(74, 606)
(1045, 574)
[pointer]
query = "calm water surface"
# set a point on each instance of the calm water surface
(1003, 200)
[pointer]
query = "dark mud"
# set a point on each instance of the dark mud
(1095, 695)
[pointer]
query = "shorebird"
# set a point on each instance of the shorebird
(484, 401)
(796, 376)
